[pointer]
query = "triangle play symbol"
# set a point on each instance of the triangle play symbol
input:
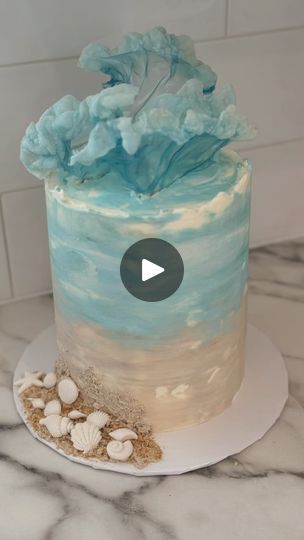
(150, 269)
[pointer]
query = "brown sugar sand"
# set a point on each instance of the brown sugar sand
(146, 450)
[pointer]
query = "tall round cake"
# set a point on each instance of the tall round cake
(144, 159)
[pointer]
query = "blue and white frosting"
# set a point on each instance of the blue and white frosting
(205, 218)
(157, 119)
(142, 159)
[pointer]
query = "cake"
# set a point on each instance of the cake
(145, 158)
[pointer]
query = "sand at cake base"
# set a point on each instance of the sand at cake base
(146, 449)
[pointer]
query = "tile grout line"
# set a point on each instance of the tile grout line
(226, 36)
(227, 11)
(15, 299)
(25, 188)
(254, 34)
(254, 246)
(243, 150)
(8, 262)
(259, 243)
(268, 145)
(39, 61)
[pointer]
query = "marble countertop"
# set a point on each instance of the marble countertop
(255, 495)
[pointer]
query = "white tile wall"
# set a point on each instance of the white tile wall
(26, 91)
(257, 45)
(5, 288)
(58, 28)
(267, 72)
(277, 192)
(248, 16)
(26, 232)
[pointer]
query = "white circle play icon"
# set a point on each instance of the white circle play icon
(150, 269)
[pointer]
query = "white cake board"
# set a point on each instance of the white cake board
(256, 407)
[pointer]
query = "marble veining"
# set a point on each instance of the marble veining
(257, 494)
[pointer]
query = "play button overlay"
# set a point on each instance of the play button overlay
(152, 270)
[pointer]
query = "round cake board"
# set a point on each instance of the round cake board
(254, 410)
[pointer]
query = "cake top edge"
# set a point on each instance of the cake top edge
(157, 119)
(223, 177)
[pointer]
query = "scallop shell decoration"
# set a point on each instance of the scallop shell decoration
(37, 403)
(67, 391)
(75, 415)
(52, 407)
(123, 434)
(49, 380)
(85, 437)
(58, 426)
(120, 451)
(98, 419)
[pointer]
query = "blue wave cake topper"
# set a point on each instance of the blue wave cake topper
(157, 118)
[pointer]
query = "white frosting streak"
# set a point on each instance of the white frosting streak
(193, 216)
(198, 214)
(243, 184)
(220, 202)
(190, 218)
(62, 197)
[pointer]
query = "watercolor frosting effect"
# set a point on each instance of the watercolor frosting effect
(143, 158)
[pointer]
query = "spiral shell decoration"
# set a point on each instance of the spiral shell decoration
(98, 419)
(85, 437)
(49, 380)
(58, 426)
(37, 403)
(123, 434)
(67, 391)
(52, 407)
(119, 451)
(75, 415)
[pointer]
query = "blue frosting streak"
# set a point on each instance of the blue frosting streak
(87, 247)
(129, 162)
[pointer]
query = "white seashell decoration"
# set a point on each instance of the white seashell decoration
(75, 415)
(98, 418)
(120, 451)
(52, 407)
(49, 380)
(67, 391)
(37, 403)
(29, 379)
(85, 437)
(123, 434)
(58, 426)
